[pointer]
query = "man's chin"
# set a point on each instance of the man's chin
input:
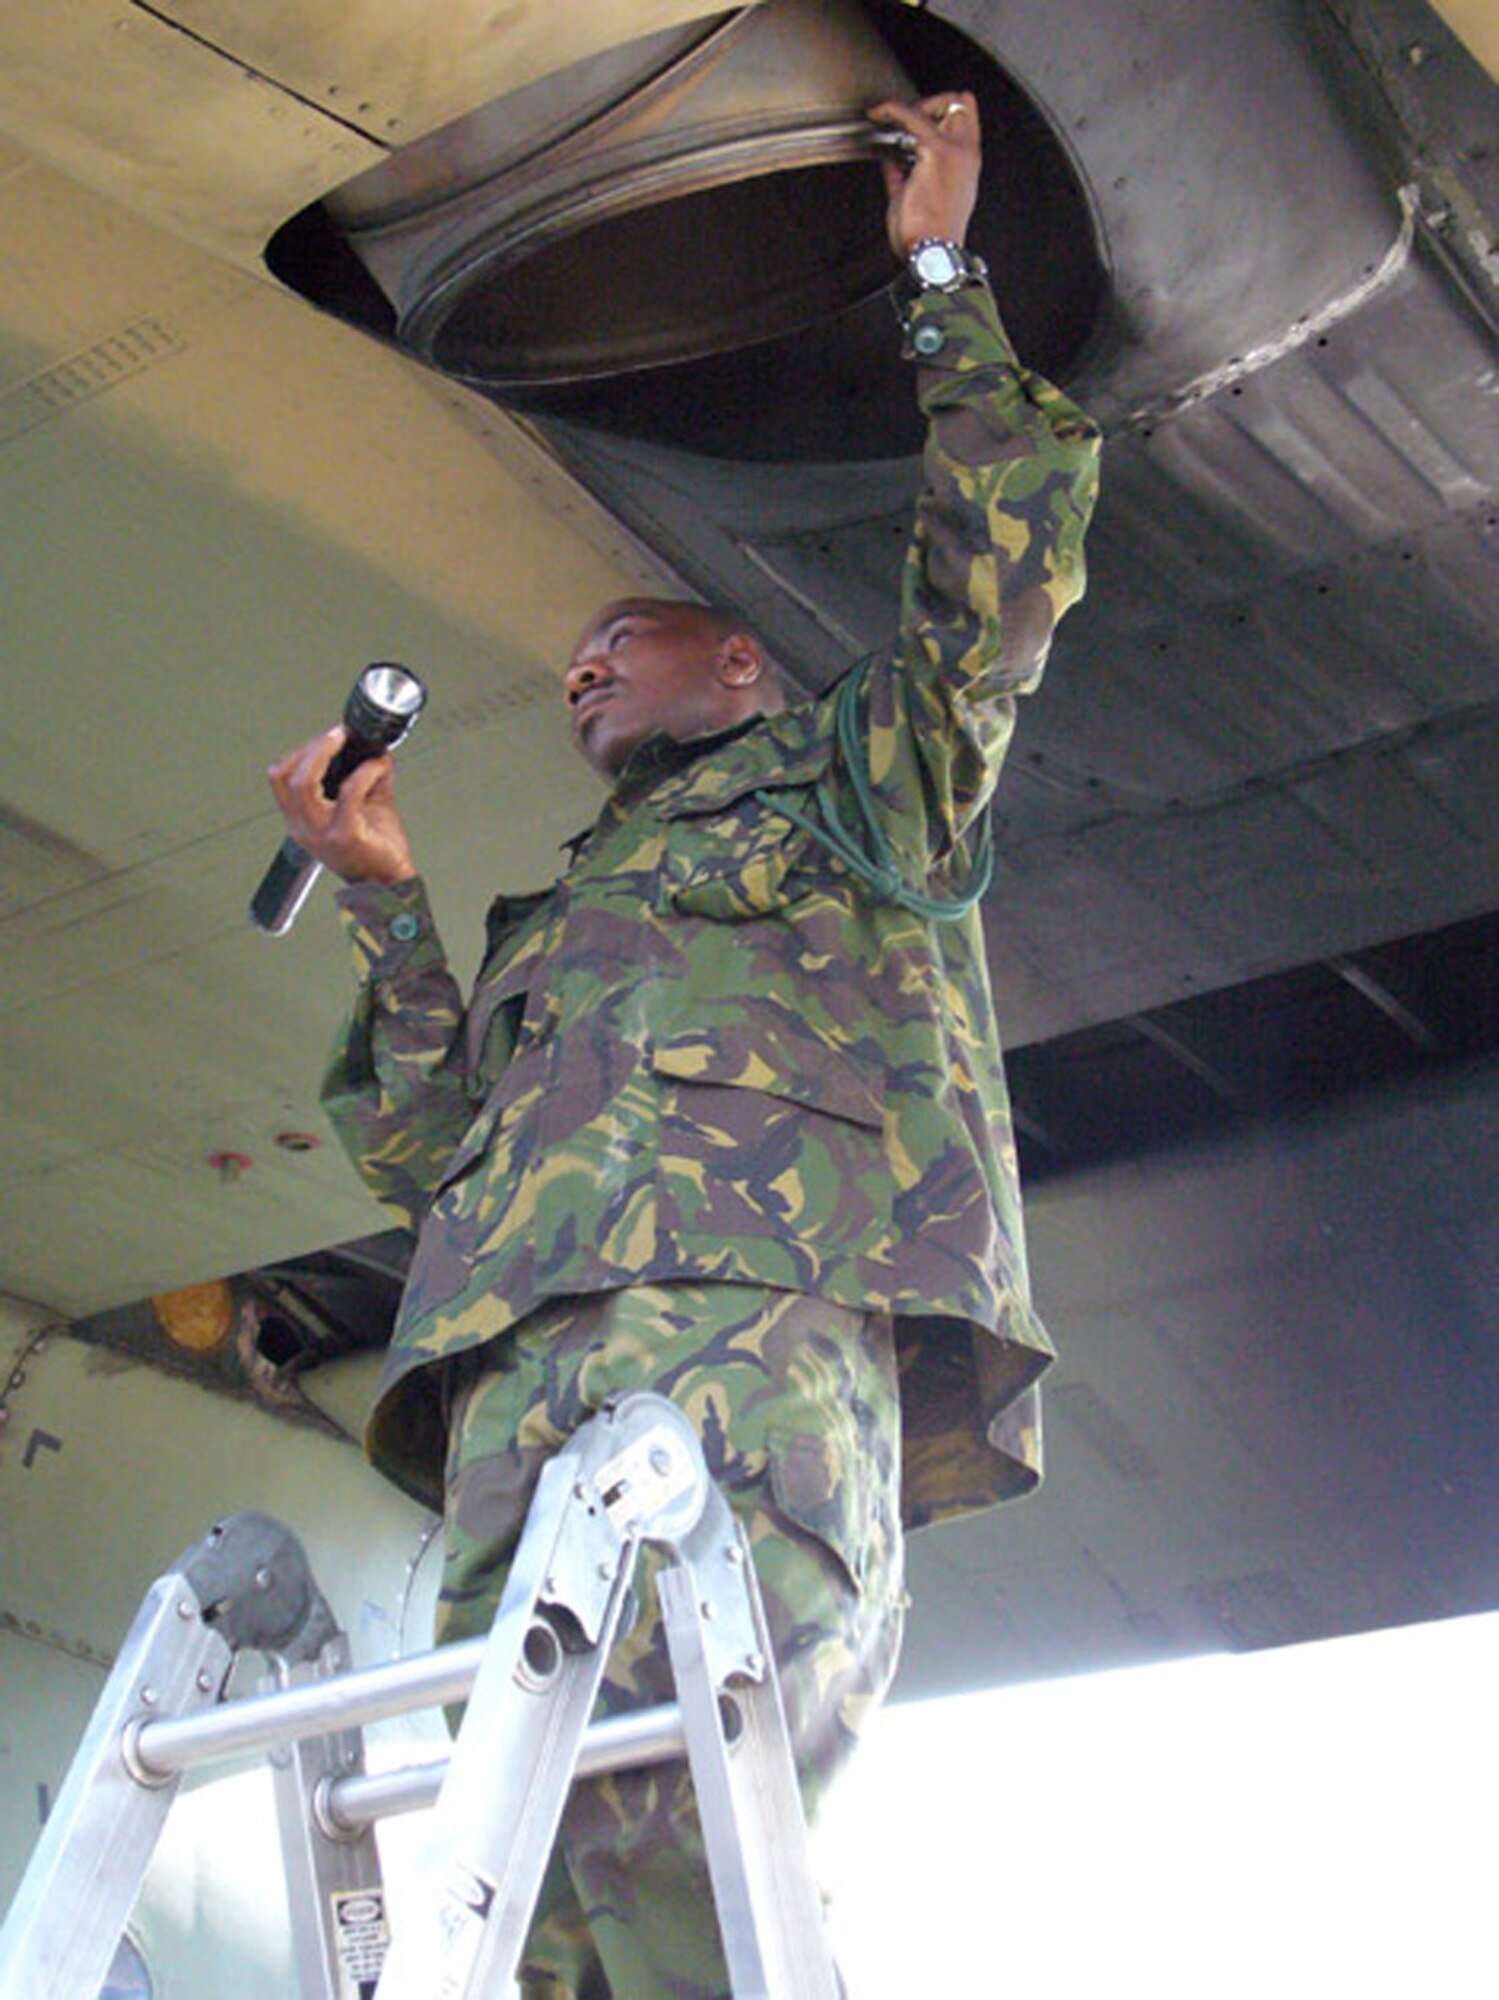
(601, 751)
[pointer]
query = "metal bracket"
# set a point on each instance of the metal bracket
(252, 1579)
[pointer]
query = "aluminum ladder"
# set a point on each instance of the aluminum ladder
(633, 1474)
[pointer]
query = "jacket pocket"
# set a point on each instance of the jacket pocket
(730, 856)
(823, 1485)
(775, 1143)
(757, 1048)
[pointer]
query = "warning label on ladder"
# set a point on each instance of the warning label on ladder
(360, 1938)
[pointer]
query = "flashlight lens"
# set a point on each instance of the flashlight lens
(391, 689)
(383, 704)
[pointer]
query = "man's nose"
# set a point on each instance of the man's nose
(582, 674)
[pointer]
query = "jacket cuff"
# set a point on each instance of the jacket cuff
(389, 925)
(948, 333)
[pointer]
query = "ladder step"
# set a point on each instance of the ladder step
(617, 1743)
(365, 1694)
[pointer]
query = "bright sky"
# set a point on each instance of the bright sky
(1312, 1821)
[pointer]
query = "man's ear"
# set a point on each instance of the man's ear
(739, 662)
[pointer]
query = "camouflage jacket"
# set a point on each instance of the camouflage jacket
(709, 1050)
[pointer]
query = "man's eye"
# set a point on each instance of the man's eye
(620, 632)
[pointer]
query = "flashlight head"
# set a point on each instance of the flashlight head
(383, 704)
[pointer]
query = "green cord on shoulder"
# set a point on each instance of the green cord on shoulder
(864, 850)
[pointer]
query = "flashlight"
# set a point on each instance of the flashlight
(382, 708)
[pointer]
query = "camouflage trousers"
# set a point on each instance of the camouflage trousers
(796, 1403)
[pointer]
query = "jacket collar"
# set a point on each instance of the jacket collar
(707, 773)
(786, 749)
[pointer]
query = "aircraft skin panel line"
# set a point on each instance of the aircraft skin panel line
(218, 121)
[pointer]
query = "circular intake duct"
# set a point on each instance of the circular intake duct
(647, 206)
(646, 241)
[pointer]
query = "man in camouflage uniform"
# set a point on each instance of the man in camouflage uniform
(724, 1116)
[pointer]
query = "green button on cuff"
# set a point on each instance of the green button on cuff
(404, 927)
(928, 339)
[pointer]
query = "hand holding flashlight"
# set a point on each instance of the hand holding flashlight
(336, 795)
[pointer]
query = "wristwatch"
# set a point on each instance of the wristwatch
(936, 265)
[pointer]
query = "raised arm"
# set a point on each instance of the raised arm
(1009, 478)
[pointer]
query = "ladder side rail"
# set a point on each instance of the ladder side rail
(335, 1892)
(500, 1805)
(743, 1772)
(84, 1874)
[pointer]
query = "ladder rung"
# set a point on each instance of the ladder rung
(618, 1742)
(368, 1694)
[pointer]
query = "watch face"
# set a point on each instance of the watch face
(935, 264)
